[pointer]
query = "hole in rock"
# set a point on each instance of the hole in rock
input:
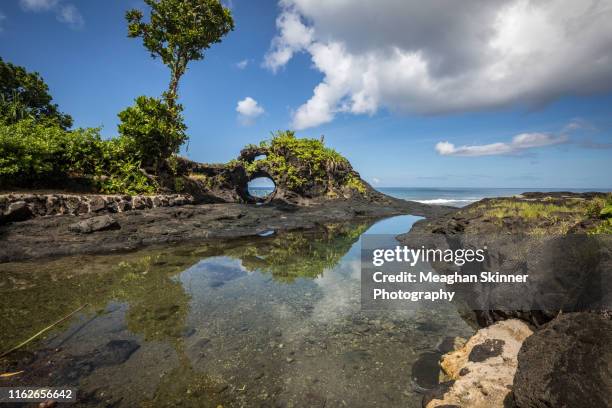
(261, 188)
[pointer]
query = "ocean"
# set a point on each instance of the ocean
(456, 197)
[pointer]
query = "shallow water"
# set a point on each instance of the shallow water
(269, 321)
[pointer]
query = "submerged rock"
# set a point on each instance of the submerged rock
(567, 363)
(481, 372)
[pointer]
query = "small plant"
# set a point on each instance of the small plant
(594, 207)
(179, 184)
(355, 183)
(604, 228)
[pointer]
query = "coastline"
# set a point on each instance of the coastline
(51, 236)
(499, 337)
(537, 354)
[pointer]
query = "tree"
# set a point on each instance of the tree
(178, 32)
(156, 130)
(25, 95)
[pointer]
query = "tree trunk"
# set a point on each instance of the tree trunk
(177, 71)
(172, 94)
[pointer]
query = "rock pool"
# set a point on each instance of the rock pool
(274, 320)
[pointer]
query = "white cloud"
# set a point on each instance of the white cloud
(375, 180)
(248, 110)
(394, 54)
(70, 15)
(242, 64)
(65, 13)
(2, 18)
(578, 124)
(38, 5)
(519, 144)
(293, 36)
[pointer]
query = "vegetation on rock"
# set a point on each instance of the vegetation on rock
(549, 215)
(300, 162)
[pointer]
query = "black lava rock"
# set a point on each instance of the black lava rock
(568, 363)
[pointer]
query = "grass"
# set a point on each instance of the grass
(550, 215)
(529, 211)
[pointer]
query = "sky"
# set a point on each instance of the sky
(478, 93)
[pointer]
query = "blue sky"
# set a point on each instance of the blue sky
(391, 131)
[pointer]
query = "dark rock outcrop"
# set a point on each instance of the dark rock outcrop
(17, 211)
(567, 363)
(568, 270)
(100, 223)
(303, 171)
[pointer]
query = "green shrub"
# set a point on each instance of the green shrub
(125, 177)
(32, 151)
(156, 130)
(594, 207)
(119, 171)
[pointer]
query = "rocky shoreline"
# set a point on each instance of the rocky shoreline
(313, 185)
(516, 359)
(92, 233)
(538, 356)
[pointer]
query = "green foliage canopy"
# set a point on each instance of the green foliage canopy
(156, 129)
(32, 152)
(179, 31)
(25, 95)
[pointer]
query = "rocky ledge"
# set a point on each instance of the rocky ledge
(20, 207)
(93, 233)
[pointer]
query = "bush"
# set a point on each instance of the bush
(156, 130)
(119, 169)
(31, 151)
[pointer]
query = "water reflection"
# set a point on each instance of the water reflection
(267, 321)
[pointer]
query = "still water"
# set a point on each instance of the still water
(268, 321)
